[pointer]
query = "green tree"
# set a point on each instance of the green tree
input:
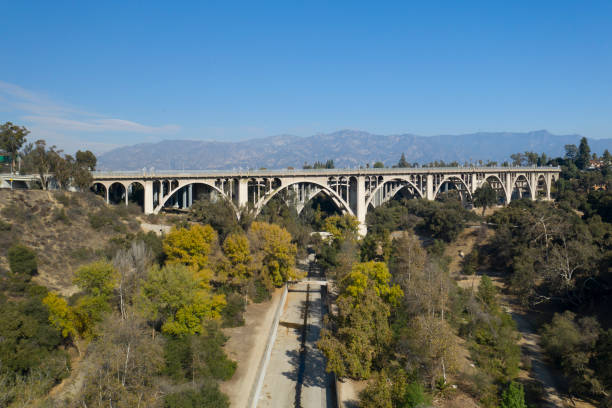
(584, 154)
(487, 292)
(362, 336)
(12, 138)
(379, 165)
(571, 152)
(44, 161)
(607, 157)
(86, 160)
(218, 214)
(484, 197)
(570, 341)
(517, 159)
(64, 171)
(178, 300)
(403, 163)
(22, 260)
(513, 396)
(97, 279)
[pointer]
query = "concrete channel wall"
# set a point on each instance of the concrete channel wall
(265, 358)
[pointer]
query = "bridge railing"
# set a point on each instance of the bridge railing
(152, 173)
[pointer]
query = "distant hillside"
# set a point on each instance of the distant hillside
(347, 148)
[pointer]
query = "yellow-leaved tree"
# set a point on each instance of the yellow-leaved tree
(237, 250)
(191, 247)
(61, 315)
(97, 282)
(273, 251)
(375, 275)
(341, 226)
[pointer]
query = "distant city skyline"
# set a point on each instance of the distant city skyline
(112, 74)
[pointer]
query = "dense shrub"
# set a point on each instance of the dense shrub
(22, 260)
(105, 218)
(5, 226)
(258, 291)
(232, 313)
(30, 356)
(201, 356)
(59, 215)
(208, 396)
(16, 212)
(63, 199)
(441, 220)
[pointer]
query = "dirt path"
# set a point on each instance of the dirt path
(246, 346)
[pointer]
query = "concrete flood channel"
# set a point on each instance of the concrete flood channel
(295, 376)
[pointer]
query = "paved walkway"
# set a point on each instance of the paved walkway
(296, 376)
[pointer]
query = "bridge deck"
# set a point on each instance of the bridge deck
(98, 175)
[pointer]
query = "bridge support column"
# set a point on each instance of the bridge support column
(190, 196)
(243, 192)
(360, 207)
(430, 188)
(106, 188)
(148, 197)
(126, 196)
(509, 188)
(548, 182)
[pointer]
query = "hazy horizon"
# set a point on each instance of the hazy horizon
(103, 76)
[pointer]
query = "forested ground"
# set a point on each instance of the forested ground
(143, 326)
(401, 318)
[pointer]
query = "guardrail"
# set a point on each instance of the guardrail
(152, 173)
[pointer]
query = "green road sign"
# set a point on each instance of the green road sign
(5, 159)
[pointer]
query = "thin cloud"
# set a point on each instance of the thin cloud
(52, 116)
(99, 125)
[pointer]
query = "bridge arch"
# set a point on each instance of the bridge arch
(542, 186)
(382, 183)
(134, 191)
(522, 177)
(99, 188)
(117, 192)
(178, 186)
(495, 178)
(325, 189)
(453, 179)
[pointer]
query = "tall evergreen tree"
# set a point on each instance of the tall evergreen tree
(584, 154)
(403, 162)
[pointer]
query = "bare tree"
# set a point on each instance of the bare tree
(131, 264)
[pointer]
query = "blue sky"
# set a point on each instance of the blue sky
(109, 73)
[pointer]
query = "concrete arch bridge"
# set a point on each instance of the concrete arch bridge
(353, 191)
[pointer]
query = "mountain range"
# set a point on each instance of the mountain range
(348, 148)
